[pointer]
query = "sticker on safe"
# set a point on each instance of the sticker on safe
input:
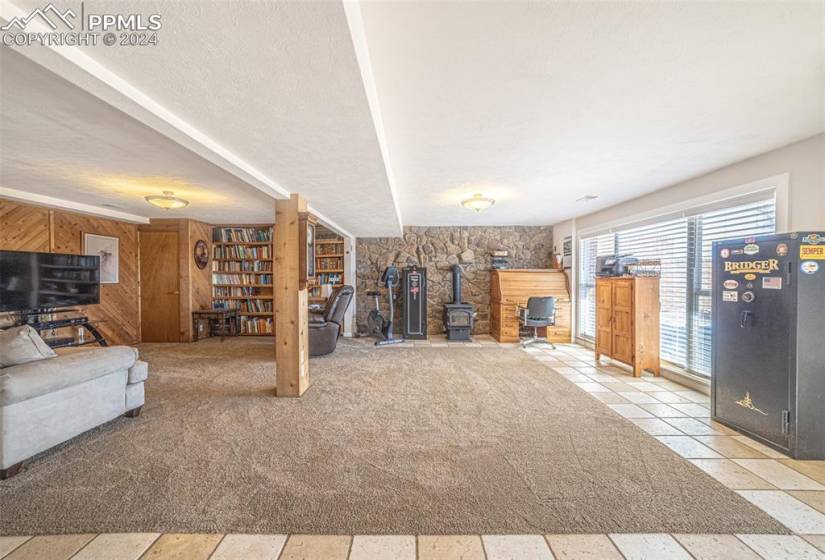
(730, 296)
(751, 249)
(752, 267)
(731, 284)
(812, 252)
(772, 283)
(809, 267)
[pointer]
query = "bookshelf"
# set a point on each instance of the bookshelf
(242, 275)
(329, 262)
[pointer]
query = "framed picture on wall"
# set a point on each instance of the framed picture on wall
(567, 252)
(108, 249)
(201, 254)
(310, 250)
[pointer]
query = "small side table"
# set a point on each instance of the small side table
(223, 322)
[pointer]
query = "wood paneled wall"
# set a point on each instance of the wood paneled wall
(201, 279)
(25, 227)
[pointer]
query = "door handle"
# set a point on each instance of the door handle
(744, 317)
(175, 293)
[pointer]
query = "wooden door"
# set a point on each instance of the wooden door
(604, 316)
(159, 286)
(623, 320)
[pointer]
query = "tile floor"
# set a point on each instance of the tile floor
(652, 546)
(793, 492)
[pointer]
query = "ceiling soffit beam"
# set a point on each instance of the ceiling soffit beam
(355, 22)
(78, 68)
(81, 208)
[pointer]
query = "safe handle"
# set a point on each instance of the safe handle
(745, 317)
(789, 268)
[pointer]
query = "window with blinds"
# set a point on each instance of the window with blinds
(590, 249)
(743, 220)
(683, 246)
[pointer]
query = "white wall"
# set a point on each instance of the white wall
(560, 231)
(349, 274)
(804, 161)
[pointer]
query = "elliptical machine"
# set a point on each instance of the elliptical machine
(378, 326)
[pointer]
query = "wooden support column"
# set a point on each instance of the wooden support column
(290, 291)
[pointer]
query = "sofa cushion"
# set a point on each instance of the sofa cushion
(20, 345)
(26, 381)
(139, 372)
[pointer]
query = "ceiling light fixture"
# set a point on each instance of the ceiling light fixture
(587, 198)
(168, 201)
(478, 202)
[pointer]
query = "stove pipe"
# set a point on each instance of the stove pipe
(456, 284)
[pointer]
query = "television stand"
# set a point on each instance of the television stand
(33, 320)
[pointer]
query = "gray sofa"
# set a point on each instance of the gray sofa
(46, 402)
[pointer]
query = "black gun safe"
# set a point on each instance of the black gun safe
(414, 302)
(768, 378)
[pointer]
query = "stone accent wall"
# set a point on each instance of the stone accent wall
(437, 249)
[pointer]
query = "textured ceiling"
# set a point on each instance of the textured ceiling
(541, 103)
(277, 84)
(60, 141)
(536, 104)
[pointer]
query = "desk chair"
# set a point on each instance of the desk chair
(540, 312)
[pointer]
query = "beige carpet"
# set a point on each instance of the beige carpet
(401, 440)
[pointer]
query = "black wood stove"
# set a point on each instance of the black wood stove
(458, 316)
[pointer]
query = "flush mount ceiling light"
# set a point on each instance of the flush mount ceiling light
(168, 201)
(587, 198)
(478, 202)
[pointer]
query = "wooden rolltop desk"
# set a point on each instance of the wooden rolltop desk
(511, 288)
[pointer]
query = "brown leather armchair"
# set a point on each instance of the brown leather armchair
(325, 329)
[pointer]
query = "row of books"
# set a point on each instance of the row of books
(329, 249)
(236, 291)
(330, 278)
(245, 305)
(241, 234)
(330, 263)
(241, 252)
(218, 278)
(241, 266)
(256, 325)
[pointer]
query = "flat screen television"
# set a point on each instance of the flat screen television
(37, 281)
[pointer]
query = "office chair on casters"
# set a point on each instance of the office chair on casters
(540, 312)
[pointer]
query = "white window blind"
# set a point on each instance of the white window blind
(745, 220)
(590, 249)
(683, 246)
(668, 242)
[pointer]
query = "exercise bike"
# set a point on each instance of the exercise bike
(380, 327)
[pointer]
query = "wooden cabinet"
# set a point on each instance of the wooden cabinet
(627, 322)
(511, 288)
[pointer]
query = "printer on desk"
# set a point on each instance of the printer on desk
(614, 265)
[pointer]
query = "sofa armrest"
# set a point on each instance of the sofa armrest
(138, 373)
